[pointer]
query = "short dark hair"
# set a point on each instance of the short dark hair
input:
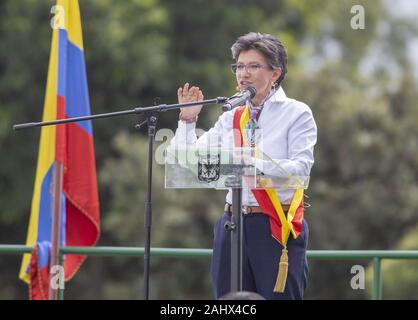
(268, 45)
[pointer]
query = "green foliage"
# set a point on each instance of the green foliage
(359, 84)
(400, 277)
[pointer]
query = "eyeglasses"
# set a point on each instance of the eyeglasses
(250, 68)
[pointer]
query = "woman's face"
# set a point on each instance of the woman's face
(261, 78)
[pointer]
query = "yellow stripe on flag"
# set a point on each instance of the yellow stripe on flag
(46, 154)
(72, 21)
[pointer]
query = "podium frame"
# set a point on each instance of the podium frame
(185, 157)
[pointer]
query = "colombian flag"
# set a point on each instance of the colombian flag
(72, 146)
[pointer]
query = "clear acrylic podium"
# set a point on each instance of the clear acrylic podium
(228, 168)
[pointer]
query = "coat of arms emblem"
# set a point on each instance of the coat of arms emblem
(209, 167)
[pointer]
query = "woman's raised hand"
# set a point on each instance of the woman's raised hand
(185, 95)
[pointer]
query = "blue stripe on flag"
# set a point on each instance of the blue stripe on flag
(71, 65)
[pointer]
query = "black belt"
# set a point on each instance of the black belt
(252, 209)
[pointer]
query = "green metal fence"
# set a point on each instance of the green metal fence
(376, 255)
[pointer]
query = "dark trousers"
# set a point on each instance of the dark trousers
(260, 259)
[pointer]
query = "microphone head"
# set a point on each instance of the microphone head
(239, 98)
(252, 91)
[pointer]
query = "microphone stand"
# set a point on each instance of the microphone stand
(235, 227)
(151, 114)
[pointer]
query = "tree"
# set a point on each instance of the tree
(359, 84)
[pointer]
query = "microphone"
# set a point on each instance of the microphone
(239, 99)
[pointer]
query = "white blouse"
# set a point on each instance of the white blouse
(286, 132)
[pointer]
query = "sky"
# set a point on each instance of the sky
(407, 9)
(403, 8)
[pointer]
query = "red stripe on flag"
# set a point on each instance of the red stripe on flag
(60, 145)
(80, 188)
(39, 278)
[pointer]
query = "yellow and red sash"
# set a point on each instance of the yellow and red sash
(280, 225)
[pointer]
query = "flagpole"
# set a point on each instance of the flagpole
(56, 228)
